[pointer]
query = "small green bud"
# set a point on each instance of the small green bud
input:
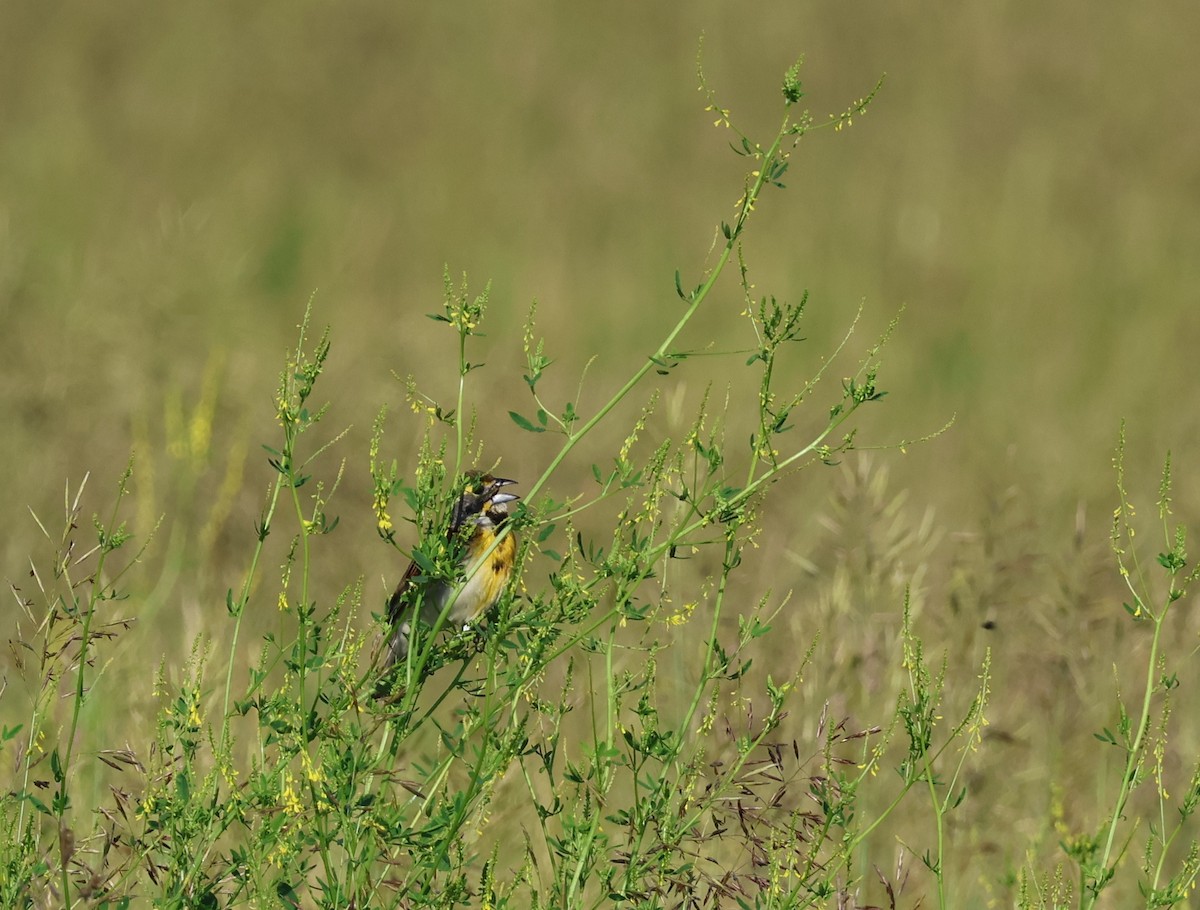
(791, 83)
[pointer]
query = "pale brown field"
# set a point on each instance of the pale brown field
(177, 182)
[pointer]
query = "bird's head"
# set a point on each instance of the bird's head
(482, 500)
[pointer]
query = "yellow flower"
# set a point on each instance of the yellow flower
(279, 854)
(314, 774)
(287, 797)
(678, 619)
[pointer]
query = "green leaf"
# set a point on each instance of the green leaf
(1172, 561)
(524, 423)
(962, 794)
(286, 893)
(1138, 613)
(424, 563)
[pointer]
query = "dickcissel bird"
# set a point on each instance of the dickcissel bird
(484, 509)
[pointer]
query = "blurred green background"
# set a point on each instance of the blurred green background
(177, 179)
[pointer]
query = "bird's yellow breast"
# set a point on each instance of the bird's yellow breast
(485, 583)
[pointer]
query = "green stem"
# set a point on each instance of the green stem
(95, 595)
(706, 676)
(1088, 896)
(302, 614)
(939, 822)
(446, 837)
(603, 777)
(458, 411)
(698, 297)
(284, 472)
(242, 602)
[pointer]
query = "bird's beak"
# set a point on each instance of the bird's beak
(502, 482)
(501, 498)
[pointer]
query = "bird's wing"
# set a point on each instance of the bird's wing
(397, 598)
